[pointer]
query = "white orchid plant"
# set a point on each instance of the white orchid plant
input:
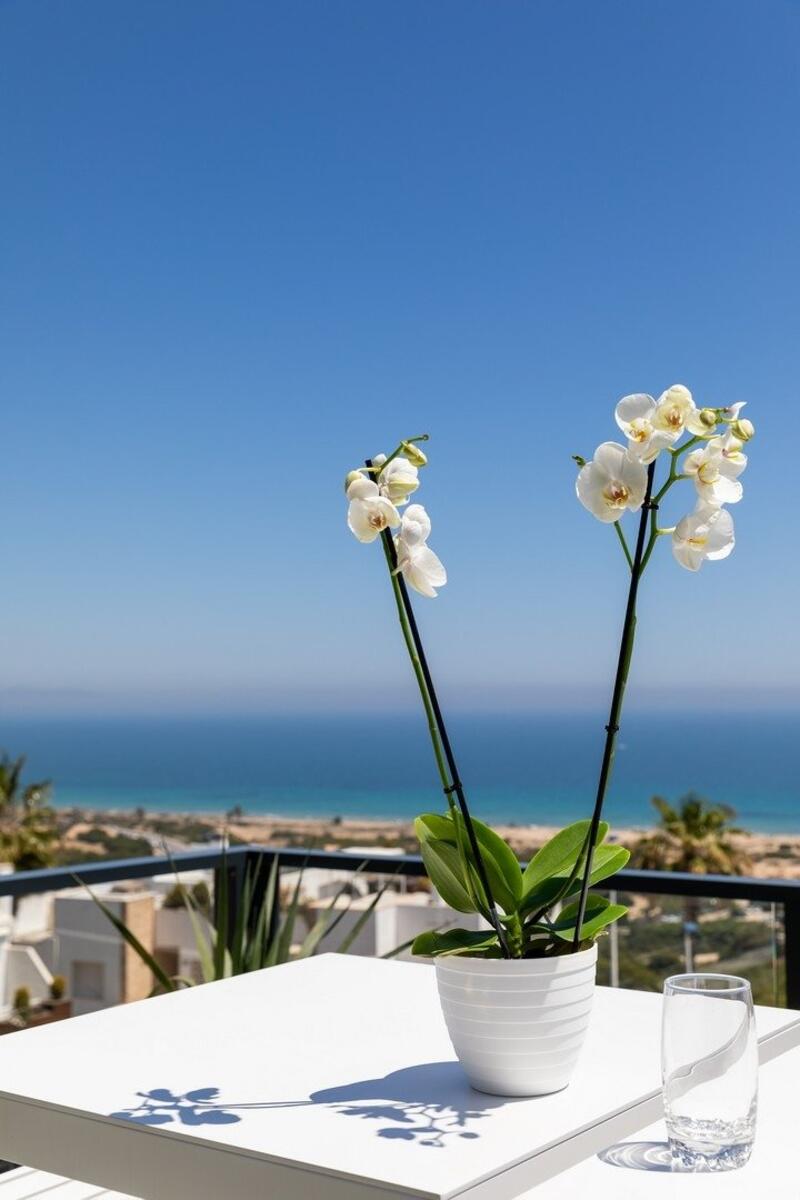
(470, 865)
(547, 908)
(703, 445)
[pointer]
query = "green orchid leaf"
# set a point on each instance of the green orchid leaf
(540, 898)
(599, 913)
(446, 873)
(560, 854)
(434, 825)
(502, 868)
(607, 860)
(457, 941)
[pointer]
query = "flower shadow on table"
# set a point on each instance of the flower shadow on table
(638, 1156)
(429, 1103)
(160, 1106)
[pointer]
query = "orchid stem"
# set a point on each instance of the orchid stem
(612, 728)
(442, 748)
(623, 543)
(421, 437)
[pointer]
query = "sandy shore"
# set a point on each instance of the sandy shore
(773, 855)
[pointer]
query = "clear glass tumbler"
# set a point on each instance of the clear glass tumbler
(709, 1066)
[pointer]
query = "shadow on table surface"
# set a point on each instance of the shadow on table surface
(638, 1156)
(160, 1106)
(428, 1103)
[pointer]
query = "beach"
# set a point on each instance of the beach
(773, 855)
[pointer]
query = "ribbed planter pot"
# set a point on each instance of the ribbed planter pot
(517, 1025)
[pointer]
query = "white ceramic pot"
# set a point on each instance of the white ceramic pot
(517, 1025)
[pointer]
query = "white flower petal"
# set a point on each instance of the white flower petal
(362, 488)
(416, 526)
(733, 410)
(705, 533)
(612, 483)
(421, 568)
(368, 518)
(673, 409)
(632, 409)
(398, 480)
(730, 448)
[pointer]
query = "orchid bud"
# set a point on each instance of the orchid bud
(359, 486)
(351, 477)
(414, 455)
(743, 429)
(707, 418)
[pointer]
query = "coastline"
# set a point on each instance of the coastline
(773, 855)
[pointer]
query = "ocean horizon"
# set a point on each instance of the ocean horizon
(523, 768)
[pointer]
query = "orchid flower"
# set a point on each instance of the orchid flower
(369, 513)
(611, 483)
(715, 469)
(375, 494)
(705, 533)
(398, 479)
(635, 416)
(420, 567)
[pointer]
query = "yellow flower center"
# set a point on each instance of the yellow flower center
(708, 473)
(639, 431)
(377, 520)
(697, 542)
(616, 494)
(673, 418)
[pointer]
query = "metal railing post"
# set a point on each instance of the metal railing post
(791, 949)
(232, 866)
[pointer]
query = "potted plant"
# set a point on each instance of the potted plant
(518, 1024)
(517, 994)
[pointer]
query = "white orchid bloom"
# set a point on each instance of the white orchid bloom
(705, 533)
(635, 416)
(611, 483)
(415, 526)
(369, 512)
(675, 409)
(730, 447)
(398, 479)
(715, 469)
(420, 567)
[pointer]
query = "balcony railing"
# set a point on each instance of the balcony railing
(783, 895)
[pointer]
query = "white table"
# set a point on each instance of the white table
(639, 1168)
(334, 1079)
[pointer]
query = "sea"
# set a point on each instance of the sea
(531, 768)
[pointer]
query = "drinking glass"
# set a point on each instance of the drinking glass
(709, 1066)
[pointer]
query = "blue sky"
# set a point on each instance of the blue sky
(246, 244)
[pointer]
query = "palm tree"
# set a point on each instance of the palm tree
(28, 828)
(696, 836)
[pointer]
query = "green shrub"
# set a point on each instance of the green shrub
(22, 1003)
(58, 987)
